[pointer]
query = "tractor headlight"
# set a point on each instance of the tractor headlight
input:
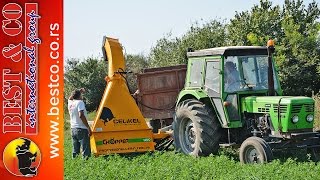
(310, 118)
(295, 119)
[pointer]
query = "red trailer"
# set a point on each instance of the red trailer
(158, 91)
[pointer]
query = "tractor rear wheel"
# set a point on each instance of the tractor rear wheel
(255, 150)
(196, 129)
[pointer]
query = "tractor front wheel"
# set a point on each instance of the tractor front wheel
(196, 130)
(255, 150)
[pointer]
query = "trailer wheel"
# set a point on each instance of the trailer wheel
(255, 150)
(196, 130)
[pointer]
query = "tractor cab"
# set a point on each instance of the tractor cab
(246, 73)
(245, 76)
(227, 74)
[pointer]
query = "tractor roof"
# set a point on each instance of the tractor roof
(230, 51)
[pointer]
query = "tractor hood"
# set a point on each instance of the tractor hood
(283, 107)
(252, 103)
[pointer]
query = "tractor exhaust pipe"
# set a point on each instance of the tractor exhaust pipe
(271, 49)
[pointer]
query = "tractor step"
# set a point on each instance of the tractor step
(226, 145)
(305, 134)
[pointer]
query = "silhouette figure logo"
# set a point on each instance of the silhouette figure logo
(22, 157)
(106, 115)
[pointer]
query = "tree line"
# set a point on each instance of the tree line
(294, 26)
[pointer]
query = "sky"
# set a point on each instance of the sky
(138, 24)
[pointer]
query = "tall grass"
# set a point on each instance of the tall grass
(172, 165)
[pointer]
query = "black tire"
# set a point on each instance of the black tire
(255, 150)
(196, 130)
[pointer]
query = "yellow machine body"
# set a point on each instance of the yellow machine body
(119, 126)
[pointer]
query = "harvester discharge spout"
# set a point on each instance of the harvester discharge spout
(119, 126)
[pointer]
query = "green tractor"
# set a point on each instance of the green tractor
(232, 96)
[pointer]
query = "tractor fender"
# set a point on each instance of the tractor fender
(200, 95)
(191, 94)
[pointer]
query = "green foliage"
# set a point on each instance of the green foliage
(296, 31)
(135, 64)
(257, 26)
(294, 27)
(172, 51)
(88, 74)
(299, 70)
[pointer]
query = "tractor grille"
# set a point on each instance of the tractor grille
(264, 110)
(309, 107)
(296, 108)
(283, 108)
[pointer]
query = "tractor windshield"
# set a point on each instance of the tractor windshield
(246, 73)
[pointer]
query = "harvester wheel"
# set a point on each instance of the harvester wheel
(255, 150)
(196, 130)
